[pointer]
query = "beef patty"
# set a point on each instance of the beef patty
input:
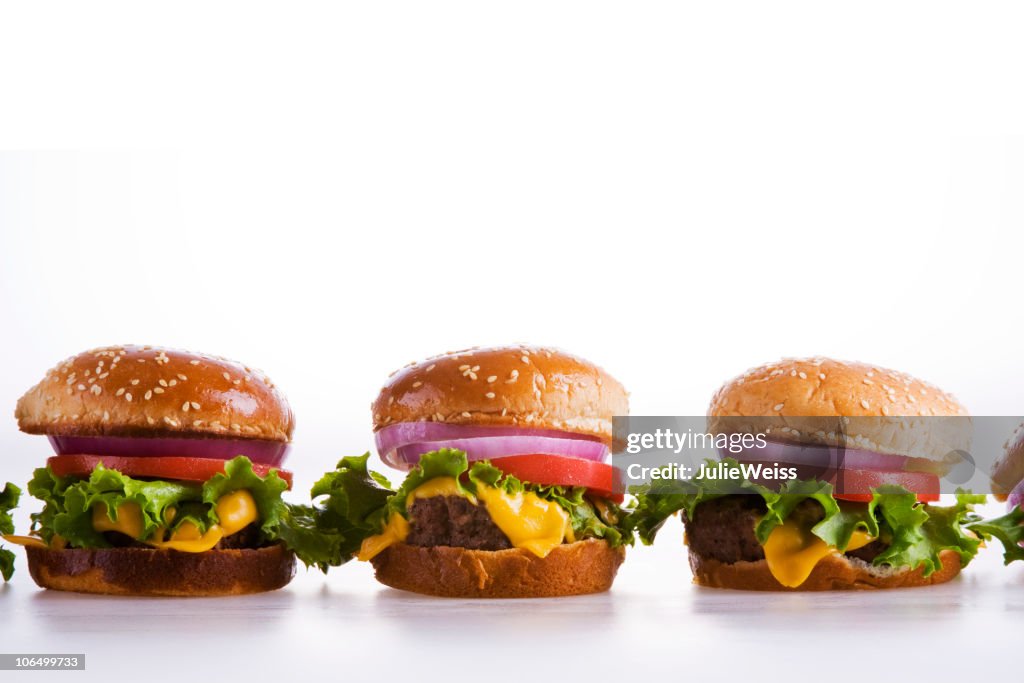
(723, 529)
(453, 521)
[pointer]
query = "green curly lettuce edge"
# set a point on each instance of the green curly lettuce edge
(1007, 530)
(916, 533)
(356, 503)
(8, 501)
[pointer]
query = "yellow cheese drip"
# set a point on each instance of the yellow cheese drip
(128, 522)
(235, 510)
(793, 551)
(529, 522)
(25, 540)
(395, 532)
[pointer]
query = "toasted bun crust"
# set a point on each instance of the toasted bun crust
(144, 572)
(571, 569)
(891, 406)
(153, 391)
(835, 572)
(508, 385)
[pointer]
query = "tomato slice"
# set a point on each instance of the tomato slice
(556, 470)
(856, 485)
(180, 469)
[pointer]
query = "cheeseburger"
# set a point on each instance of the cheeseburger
(857, 511)
(508, 494)
(165, 476)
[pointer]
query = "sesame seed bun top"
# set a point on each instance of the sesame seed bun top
(787, 391)
(152, 391)
(519, 385)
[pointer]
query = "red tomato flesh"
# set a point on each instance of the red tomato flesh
(554, 470)
(178, 469)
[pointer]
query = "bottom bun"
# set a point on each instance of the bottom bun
(571, 569)
(835, 572)
(144, 572)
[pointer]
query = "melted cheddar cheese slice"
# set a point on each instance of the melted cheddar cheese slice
(529, 521)
(793, 551)
(235, 510)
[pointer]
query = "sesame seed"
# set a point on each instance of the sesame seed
(867, 381)
(489, 394)
(185, 406)
(193, 362)
(172, 383)
(183, 378)
(119, 391)
(195, 406)
(96, 389)
(430, 367)
(821, 375)
(476, 368)
(148, 395)
(778, 407)
(162, 382)
(864, 404)
(227, 376)
(463, 368)
(157, 390)
(172, 422)
(81, 387)
(525, 359)
(134, 382)
(803, 375)
(150, 420)
(492, 379)
(128, 397)
(417, 385)
(106, 415)
(466, 415)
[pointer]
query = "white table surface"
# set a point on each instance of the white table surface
(347, 627)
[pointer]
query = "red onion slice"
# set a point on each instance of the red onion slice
(396, 435)
(1016, 496)
(489, 448)
(829, 457)
(271, 453)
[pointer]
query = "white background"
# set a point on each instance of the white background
(676, 191)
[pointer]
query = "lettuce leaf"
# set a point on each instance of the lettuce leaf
(356, 503)
(8, 501)
(915, 533)
(353, 507)
(266, 491)
(1007, 530)
(69, 501)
